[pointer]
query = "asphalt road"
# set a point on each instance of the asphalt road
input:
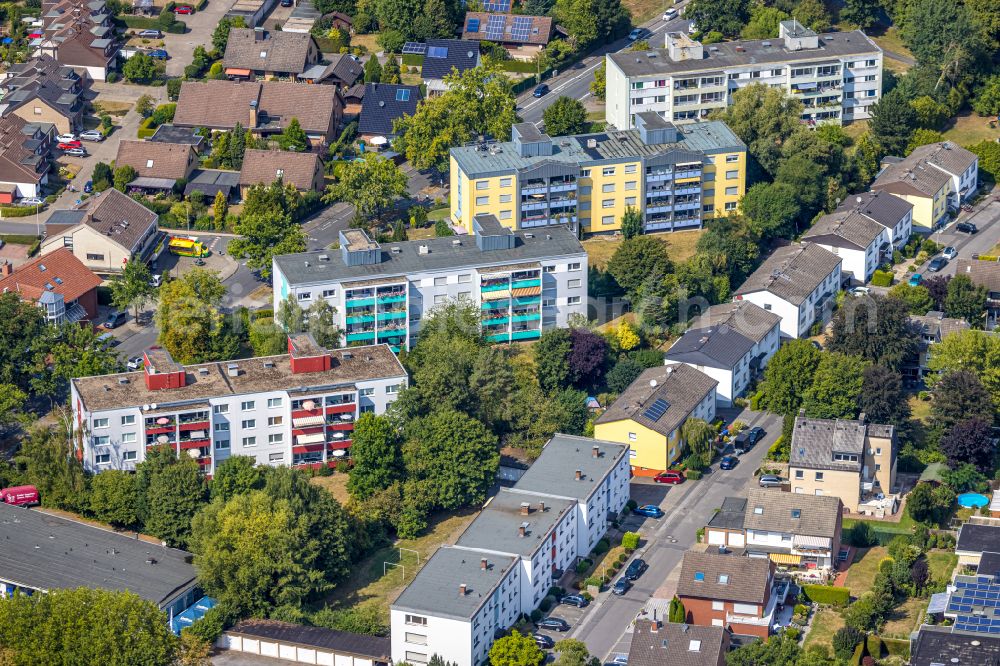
(985, 216)
(575, 82)
(603, 625)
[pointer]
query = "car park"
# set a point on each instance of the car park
(622, 586)
(114, 320)
(729, 462)
(150, 34)
(649, 511)
(949, 253)
(91, 135)
(66, 137)
(77, 152)
(574, 600)
(541, 90)
(770, 481)
(159, 54)
(635, 569)
(543, 641)
(184, 9)
(134, 363)
(966, 228)
(915, 280)
(635, 34)
(553, 623)
(937, 263)
(672, 478)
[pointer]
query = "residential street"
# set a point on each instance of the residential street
(985, 217)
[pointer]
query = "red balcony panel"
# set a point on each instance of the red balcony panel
(307, 448)
(344, 444)
(195, 443)
(195, 425)
(302, 413)
(344, 427)
(206, 461)
(160, 430)
(311, 430)
(348, 408)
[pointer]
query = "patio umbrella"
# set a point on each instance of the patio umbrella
(163, 439)
(308, 404)
(339, 453)
(163, 420)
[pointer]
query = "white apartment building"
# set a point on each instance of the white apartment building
(295, 409)
(731, 343)
(838, 75)
(795, 282)
(524, 281)
(513, 552)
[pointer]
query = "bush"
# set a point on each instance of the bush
(861, 535)
(845, 640)
(694, 462)
(881, 279)
(875, 646)
(593, 580)
(693, 475)
(800, 609)
(583, 566)
(602, 547)
(793, 633)
(632, 505)
(827, 594)
(536, 615)
(622, 557)
(546, 604)
(18, 211)
(173, 88)
(630, 541)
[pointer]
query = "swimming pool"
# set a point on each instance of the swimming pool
(970, 500)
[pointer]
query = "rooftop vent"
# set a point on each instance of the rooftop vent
(529, 235)
(203, 372)
(423, 249)
(233, 370)
(123, 380)
(456, 241)
(269, 364)
(324, 257)
(765, 43)
(348, 356)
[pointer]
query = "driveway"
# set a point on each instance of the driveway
(200, 27)
(985, 216)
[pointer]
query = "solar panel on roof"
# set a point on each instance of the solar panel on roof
(473, 25)
(497, 5)
(437, 52)
(494, 27)
(415, 48)
(522, 28)
(656, 411)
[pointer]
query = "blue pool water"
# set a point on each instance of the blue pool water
(973, 500)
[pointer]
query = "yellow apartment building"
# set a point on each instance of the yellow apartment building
(649, 414)
(676, 177)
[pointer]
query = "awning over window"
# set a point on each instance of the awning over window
(810, 541)
(316, 438)
(235, 71)
(306, 421)
(785, 558)
(527, 291)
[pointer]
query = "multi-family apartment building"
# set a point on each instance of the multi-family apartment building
(675, 177)
(731, 343)
(294, 409)
(837, 75)
(797, 282)
(513, 552)
(524, 281)
(849, 459)
(79, 34)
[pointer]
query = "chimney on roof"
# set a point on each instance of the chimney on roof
(684, 628)
(541, 506)
(6, 268)
(522, 530)
(462, 590)
(596, 452)
(862, 417)
(483, 564)
(579, 475)
(802, 411)
(525, 508)
(654, 626)
(253, 113)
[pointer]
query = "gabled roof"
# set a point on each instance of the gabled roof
(945, 155)
(270, 51)
(383, 103)
(507, 28)
(792, 272)
(443, 55)
(724, 577)
(936, 325)
(845, 229)
(814, 441)
(277, 103)
(723, 335)
(118, 217)
(661, 398)
(940, 646)
(342, 68)
(881, 207)
(677, 645)
(19, 161)
(155, 159)
(985, 273)
(912, 177)
(266, 166)
(770, 510)
(58, 272)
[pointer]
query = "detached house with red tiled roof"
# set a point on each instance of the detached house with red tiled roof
(58, 282)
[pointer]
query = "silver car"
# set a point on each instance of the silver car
(770, 481)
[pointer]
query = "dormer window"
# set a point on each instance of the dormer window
(694, 646)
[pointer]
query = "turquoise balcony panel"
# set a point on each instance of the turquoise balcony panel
(522, 284)
(500, 337)
(360, 302)
(526, 335)
(361, 319)
(396, 298)
(365, 335)
(388, 316)
(494, 287)
(527, 317)
(527, 300)
(497, 304)
(496, 321)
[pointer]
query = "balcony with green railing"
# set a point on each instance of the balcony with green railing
(497, 304)
(525, 284)
(497, 320)
(365, 318)
(494, 286)
(529, 334)
(526, 316)
(528, 300)
(498, 337)
(360, 336)
(360, 302)
(394, 297)
(392, 315)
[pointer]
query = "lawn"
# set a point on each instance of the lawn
(420, 234)
(680, 246)
(942, 564)
(891, 41)
(920, 409)
(970, 128)
(904, 525)
(335, 484)
(825, 624)
(368, 41)
(904, 618)
(643, 10)
(861, 575)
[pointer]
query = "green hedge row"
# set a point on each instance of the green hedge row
(413, 60)
(519, 66)
(18, 211)
(882, 279)
(898, 647)
(827, 594)
(18, 239)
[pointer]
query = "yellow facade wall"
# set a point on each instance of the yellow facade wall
(618, 177)
(650, 451)
(718, 167)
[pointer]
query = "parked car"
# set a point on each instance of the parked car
(635, 34)
(649, 510)
(150, 34)
(861, 291)
(66, 137)
(620, 660)
(20, 496)
(574, 600)
(729, 462)
(183, 9)
(746, 439)
(77, 152)
(88, 187)
(554, 623)
(622, 586)
(937, 263)
(134, 363)
(541, 90)
(91, 135)
(287, 3)
(670, 14)
(915, 279)
(966, 227)
(635, 569)
(949, 253)
(66, 145)
(543, 641)
(114, 320)
(756, 434)
(159, 54)
(692, 28)
(106, 340)
(770, 481)
(672, 478)
(31, 201)
(155, 280)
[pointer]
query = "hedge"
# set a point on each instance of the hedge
(827, 594)
(19, 239)
(693, 475)
(18, 211)
(519, 66)
(875, 646)
(146, 129)
(413, 60)
(897, 647)
(881, 279)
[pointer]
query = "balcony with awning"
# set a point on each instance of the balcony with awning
(307, 421)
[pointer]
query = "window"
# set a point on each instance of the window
(819, 476)
(249, 441)
(505, 215)
(482, 201)
(506, 182)
(275, 438)
(329, 293)
(731, 205)
(101, 440)
(440, 281)
(274, 402)
(465, 277)
(584, 173)
(95, 257)
(416, 639)
(878, 451)
(630, 168)
(608, 187)
(274, 420)
(68, 242)
(505, 198)
(732, 158)
(732, 175)
(392, 388)
(549, 269)
(221, 409)
(799, 474)
(758, 510)
(102, 458)
(128, 419)
(732, 191)
(575, 266)
(128, 438)
(573, 300)
(221, 427)
(630, 185)
(632, 436)
(708, 208)
(694, 646)
(416, 657)
(608, 203)
(440, 299)
(718, 605)
(37, 110)
(101, 423)
(416, 619)
(608, 171)
(246, 405)
(128, 455)
(222, 445)
(276, 457)
(608, 219)
(366, 392)
(699, 576)
(573, 284)
(149, 164)
(796, 513)
(305, 295)
(630, 201)
(482, 184)
(249, 423)
(723, 579)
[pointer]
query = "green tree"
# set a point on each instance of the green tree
(175, 494)
(370, 185)
(373, 70)
(925, 504)
(84, 626)
(917, 298)
(267, 227)
(779, 650)
(377, 456)
(140, 68)
(321, 324)
(883, 397)
(144, 106)
(114, 498)
(631, 223)
(573, 652)
(67, 351)
(959, 396)
(552, 359)
(965, 300)
(788, 375)
(836, 387)
(862, 13)
(931, 114)
(12, 403)
(123, 175)
(21, 327)
(236, 475)
(893, 122)
(763, 23)
(220, 36)
(875, 327)
(771, 209)
(676, 613)
(565, 116)
(102, 177)
(391, 73)
(813, 14)
(987, 98)
(220, 209)
(637, 259)
(47, 458)
(442, 229)
(698, 436)
(763, 118)
(515, 649)
(293, 137)
(191, 325)
(973, 351)
(727, 16)
(598, 86)
(132, 288)
(939, 33)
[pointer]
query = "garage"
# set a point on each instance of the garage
(298, 644)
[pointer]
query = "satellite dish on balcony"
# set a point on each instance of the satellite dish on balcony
(340, 453)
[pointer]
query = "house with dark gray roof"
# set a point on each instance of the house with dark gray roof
(522, 35)
(444, 57)
(731, 343)
(850, 459)
(793, 530)
(932, 328)
(726, 526)
(797, 282)
(656, 643)
(300, 642)
(975, 538)
(946, 646)
(986, 274)
(269, 53)
(649, 414)
(179, 135)
(343, 70)
(381, 106)
(44, 91)
(723, 588)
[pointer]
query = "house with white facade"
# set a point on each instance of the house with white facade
(508, 558)
(836, 75)
(524, 281)
(797, 282)
(731, 343)
(293, 409)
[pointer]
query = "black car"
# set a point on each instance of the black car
(756, 434)
(543, 641)
(635, 569)
(286, 3)
(541, 90)
(554, 623)
(742, 443)
(729, 462)
(574, 600)
(621, 586)
(937, 263)
(966, 227)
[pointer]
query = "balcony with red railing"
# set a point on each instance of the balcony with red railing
(339, 445)
(346, 408)
(160, 430)
(307, 448)
(304, 413)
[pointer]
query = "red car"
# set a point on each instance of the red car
(35, 35)
(66, 145)
(672, 478)
(183, 9)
